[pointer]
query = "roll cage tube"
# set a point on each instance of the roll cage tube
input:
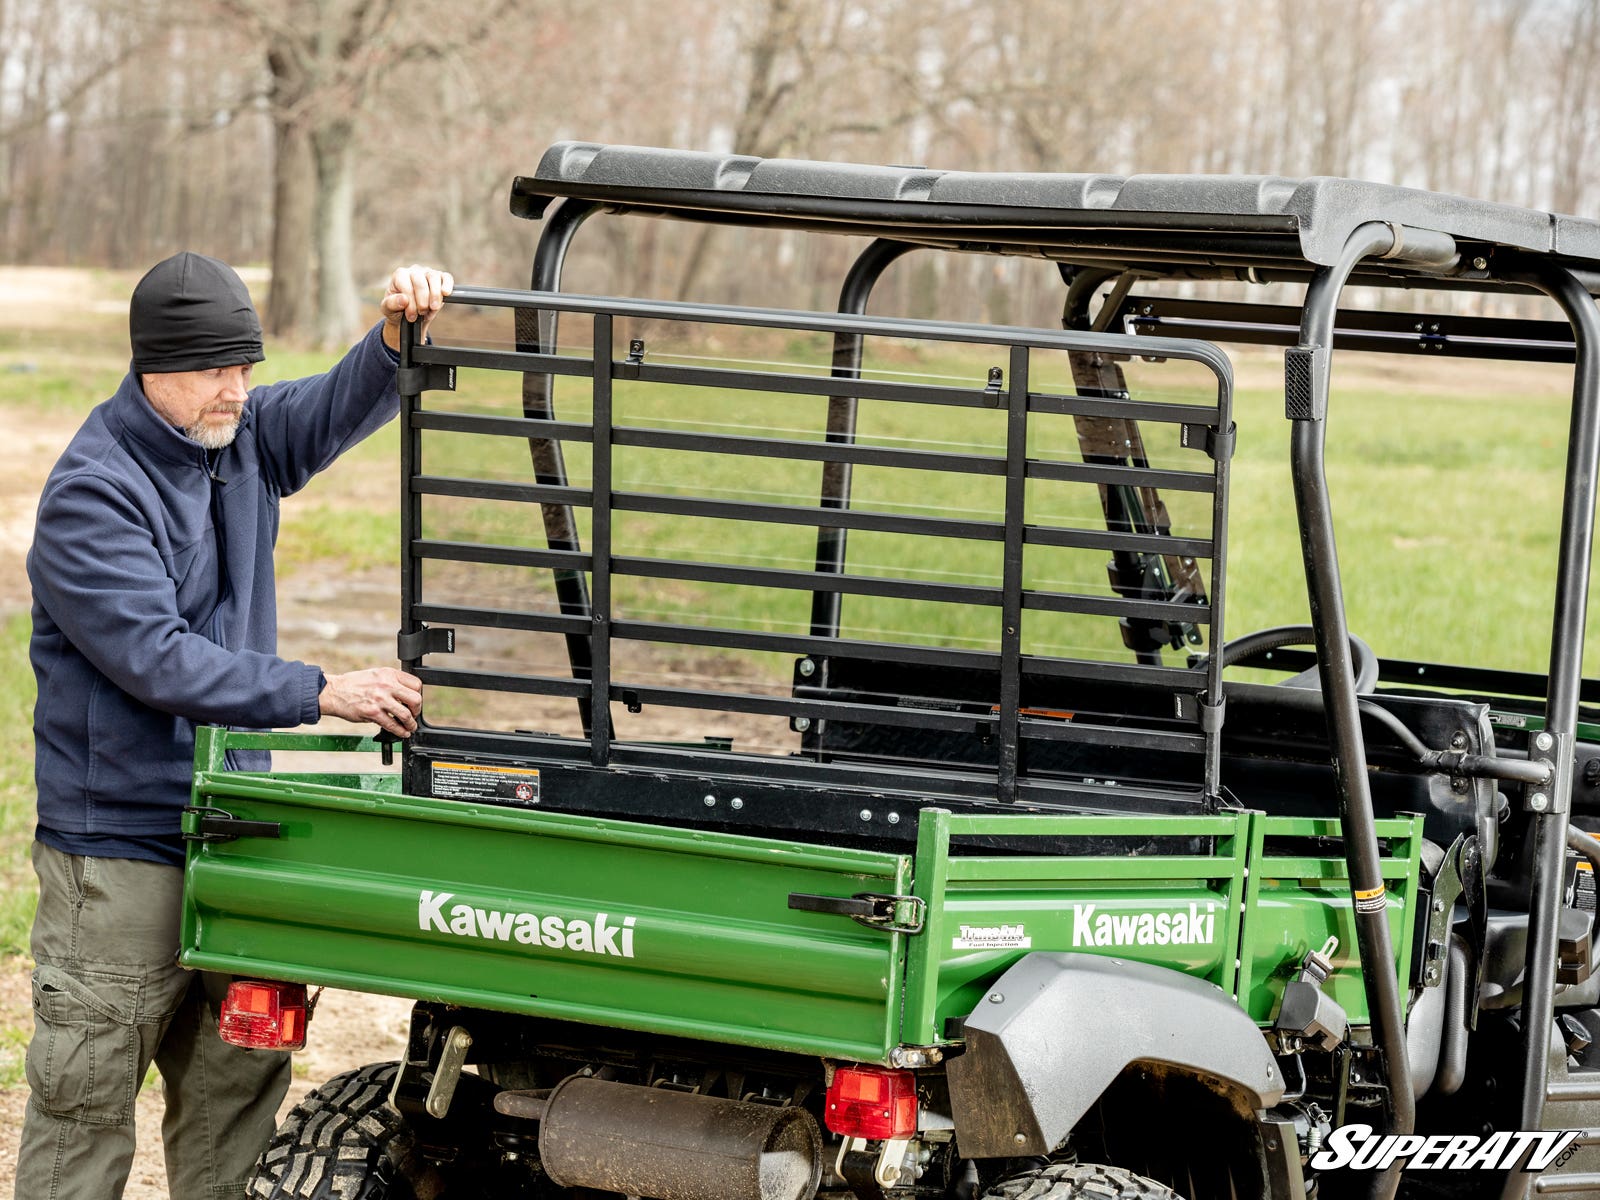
(1561, 705)
(864, 274)
(1306, 379)
(536, 331)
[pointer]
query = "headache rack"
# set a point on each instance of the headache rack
(1061, 478)
(879, 724)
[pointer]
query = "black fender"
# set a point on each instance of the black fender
(1055, 1030)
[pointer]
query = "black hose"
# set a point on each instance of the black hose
(1276, 638)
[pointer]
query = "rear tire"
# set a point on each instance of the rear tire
(344, 1141)
(1080, 1181)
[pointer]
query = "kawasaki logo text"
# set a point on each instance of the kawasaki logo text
(598, 935)
(1195, 927)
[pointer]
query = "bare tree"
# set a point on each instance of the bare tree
(326, 59)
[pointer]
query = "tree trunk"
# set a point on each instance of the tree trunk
(338, 309)
(289, 307)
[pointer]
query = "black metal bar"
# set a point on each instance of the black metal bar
(502, 618)
(522, 361)
(1502, 338)
(516, 427)
(806, 451)
(1120, 476)
(600, 591)
(864, 274)
(820, 385)
(905, 716)
(806, 581)
(1320, 553)
(497, 489)
(537, 330)
(1111, 735)
(1216, 609)
(1117, 606)
(1096, 539)
(793, 514)
(738, 639)
(504, 556)
(1566, 676)
(529, 685)
(1187, 349)
(902, 589)
(410, 503)
(1011, 575)
(1130, 410)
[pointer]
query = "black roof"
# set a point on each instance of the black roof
(1175, 225)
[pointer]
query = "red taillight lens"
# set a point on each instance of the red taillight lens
(870, 1102)
(264, 1016)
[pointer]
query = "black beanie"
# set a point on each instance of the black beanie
(191, 313)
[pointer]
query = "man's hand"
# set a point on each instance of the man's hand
(388, 698)
(415, 294)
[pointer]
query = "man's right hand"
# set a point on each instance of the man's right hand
(386, 697)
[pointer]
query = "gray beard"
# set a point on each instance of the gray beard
(213, 437)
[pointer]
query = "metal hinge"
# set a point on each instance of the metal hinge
(892, 914)
(425, 377)
(202, 824)
(428, 640)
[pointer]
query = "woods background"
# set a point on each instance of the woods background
(333, 139)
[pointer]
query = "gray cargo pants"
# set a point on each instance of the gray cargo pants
(108, 999)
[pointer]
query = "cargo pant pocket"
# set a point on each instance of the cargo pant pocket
(83, 1062)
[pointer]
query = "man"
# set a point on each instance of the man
(154, 611)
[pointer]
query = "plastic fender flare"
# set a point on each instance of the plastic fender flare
(1056, 1029)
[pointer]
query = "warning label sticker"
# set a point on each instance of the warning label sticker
(477, 781)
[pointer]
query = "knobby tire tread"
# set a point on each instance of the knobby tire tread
(1080, 1181)
(336, 1144)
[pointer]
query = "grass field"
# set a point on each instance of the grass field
(1447, 496)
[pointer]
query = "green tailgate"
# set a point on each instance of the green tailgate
(607, 922)
(691, 932)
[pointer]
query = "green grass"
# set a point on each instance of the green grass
(13, 1046)
(17, 896)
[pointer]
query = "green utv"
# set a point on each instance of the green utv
(830, 783)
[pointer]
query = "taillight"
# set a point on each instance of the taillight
(264, 1016)
(871, 1102)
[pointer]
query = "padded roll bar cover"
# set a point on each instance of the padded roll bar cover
(1066, 1025)
(1324, 210)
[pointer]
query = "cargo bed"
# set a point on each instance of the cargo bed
(817, 949)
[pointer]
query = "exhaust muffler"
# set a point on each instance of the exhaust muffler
(643, 1141)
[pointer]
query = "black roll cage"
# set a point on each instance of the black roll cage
(1324, 234)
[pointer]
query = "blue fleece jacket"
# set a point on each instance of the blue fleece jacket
(154, 606)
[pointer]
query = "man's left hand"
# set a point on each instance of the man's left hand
(415, 294)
